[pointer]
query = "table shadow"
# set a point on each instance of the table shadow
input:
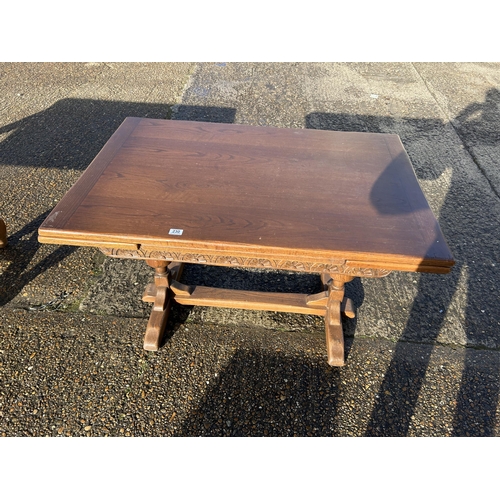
(260, 393)
(473, 240)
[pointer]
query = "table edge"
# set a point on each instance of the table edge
(218, 253)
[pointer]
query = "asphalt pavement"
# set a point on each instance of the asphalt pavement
(423, 352)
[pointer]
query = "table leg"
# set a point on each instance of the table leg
(333, 322)
(162, 304)
(347, 306)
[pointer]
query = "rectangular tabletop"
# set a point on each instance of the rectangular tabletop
(253, 191)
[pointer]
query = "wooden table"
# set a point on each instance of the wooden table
(339, 204)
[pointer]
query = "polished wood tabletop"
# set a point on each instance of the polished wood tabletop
(341, 204)
(253, 191)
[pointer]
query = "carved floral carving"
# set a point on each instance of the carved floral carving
(338, 267)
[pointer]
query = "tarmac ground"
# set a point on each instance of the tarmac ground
(423, 353)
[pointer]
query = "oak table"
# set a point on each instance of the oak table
(339, 204)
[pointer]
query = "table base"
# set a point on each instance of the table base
(166, 289)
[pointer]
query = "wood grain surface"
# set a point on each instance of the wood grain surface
(253, 191)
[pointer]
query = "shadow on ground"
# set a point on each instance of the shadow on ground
(71, 132)
(260, 394)
(473, 240)
(68, 135)
(22, 247)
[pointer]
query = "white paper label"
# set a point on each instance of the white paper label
(177, 232)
